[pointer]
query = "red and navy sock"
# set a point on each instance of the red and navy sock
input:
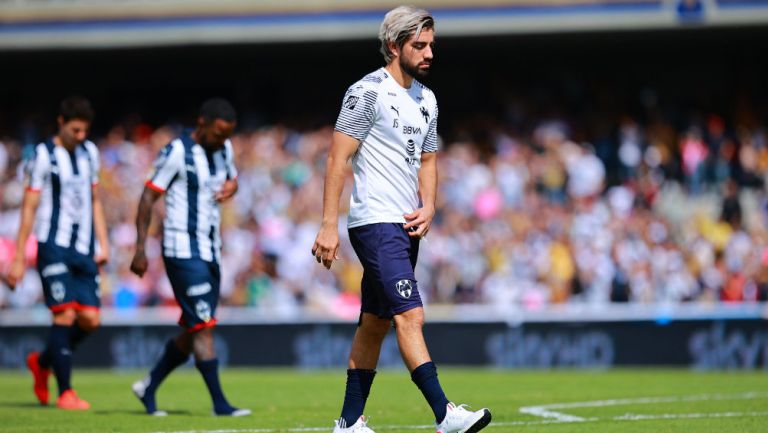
(172, 357)
(210, 371)
(425, 377)
(59, 356)
(359, 383)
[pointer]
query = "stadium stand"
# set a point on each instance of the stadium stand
(576, 169)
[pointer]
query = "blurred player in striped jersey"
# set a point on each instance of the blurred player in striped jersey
(194, 173)
(62, 202)
(387, 126)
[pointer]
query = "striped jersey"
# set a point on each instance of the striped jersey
(394, 126)
(65, 181)
(190, 175)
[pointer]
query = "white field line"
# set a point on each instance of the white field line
(635, 417)
(545, 411)
(492, 425)
(560, 418)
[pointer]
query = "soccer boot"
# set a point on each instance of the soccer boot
(139, 389)
(360, 426)
(232, 411)
(40, 376)
(459, 420)
(70, 401)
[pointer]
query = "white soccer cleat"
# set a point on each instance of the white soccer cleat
(459, 420)
(139, 389)
(235, 413)
(359, 427)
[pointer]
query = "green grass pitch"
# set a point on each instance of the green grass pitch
(294, 401)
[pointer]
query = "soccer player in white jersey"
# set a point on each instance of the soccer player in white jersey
(195, 173)
(62, 202)
(387, 126)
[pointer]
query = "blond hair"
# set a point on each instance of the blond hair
(400, 24)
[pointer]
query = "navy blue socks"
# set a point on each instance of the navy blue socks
(172, 357)
(76, 336)
(358, 387)
(44, 361)
(210, 371)
(425, 377)
(58, 356)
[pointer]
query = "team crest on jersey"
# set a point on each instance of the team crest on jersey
(404, 288)
(351, 102)
(203, 310)
(425, 113)
(58, 291)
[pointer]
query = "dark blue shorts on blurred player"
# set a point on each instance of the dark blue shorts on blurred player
(195, 285)
(70, 279)
(388, 256)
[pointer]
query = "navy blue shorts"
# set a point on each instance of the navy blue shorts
(195, 285)
(388, 256)
(70, 279)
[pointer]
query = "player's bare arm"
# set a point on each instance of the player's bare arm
(100, 228)
(326, 245)
(28, 210)
(139, 263)
(421, 218)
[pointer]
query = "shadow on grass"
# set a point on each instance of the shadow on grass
(26, 405)
(139, 412)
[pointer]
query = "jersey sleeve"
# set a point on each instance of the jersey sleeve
(229, 160)
(169, 162)
(36, 169)
(93, 154)
(358, 112)
(430, 140)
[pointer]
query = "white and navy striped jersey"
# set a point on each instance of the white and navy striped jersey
(394, 126)
(65, 181)
(190, 176)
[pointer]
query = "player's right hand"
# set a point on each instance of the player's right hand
(101, 258)
(326, 247)
(139, 264)
(15, 273)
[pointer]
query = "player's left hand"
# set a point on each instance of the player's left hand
(228, 189)
(419, 221)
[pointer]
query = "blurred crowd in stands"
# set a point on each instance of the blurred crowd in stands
(657, 214)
